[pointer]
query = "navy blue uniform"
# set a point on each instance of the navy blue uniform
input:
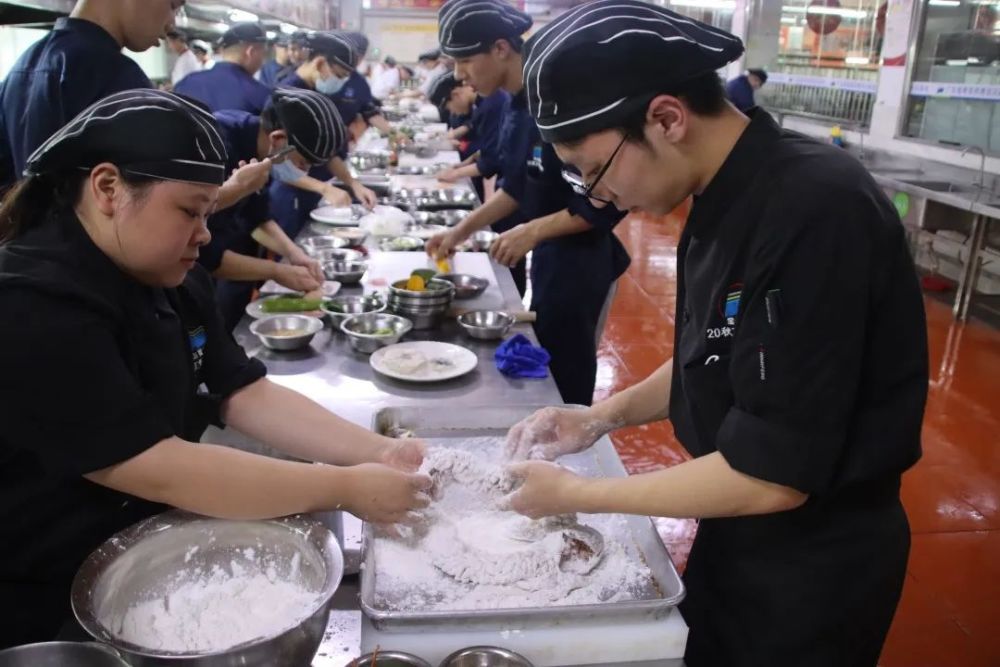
(272, 73)
(232, 228)
(484, 135)
(290, 206)
(226, 86)
(75, 65)
(570, 275)
(740, 93)
(355, 99)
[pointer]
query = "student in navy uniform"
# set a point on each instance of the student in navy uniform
(329, 57)
(478, 133)
(112, 338)
(799, 371)
(279, 65)
(308, 122)
(740, 90)
(230, 83)
(353, 96)
(577, 258)
(77, 63)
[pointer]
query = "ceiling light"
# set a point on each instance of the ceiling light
(240, 16)
(725, 5)
(857, 60)
(944, 3)
(833, 11)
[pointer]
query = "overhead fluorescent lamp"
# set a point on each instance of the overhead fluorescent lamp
(724, 5)
(240, 16)
(789, 20)
(220, 26)
(272, 35)
(288, 28)
(944, 3)
(956, 63)
(857, 60)
(832, 11)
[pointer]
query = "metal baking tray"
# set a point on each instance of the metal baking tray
(438, 426)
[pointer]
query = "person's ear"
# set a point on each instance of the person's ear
(668, 118)
(106, 187)
(277, 140)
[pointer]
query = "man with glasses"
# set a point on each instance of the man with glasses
(576, 256)
(799, 370)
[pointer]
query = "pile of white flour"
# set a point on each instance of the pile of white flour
(472, 555)
(215, 608)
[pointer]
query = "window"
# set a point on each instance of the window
(827, 58)
(955, 78)
(717, 13)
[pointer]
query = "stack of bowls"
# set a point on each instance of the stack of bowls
(426, 308)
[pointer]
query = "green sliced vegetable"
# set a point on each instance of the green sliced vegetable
(290, 304)
(384, 331)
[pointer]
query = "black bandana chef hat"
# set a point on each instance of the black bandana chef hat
(594, 66)
(469, 27)
(144, 132)
(440, 90)
(311, 120)
(334, 47)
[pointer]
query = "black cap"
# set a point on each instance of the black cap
(299, 38)
(332, 46)
(358, 42)
(440, 89)
(199, 45)
(468, 27)
(145, 132)
(390, 61)
(433, 54)
(759, 73)
(311, 120)
(632, 49)
(243, 33)
(281, 40)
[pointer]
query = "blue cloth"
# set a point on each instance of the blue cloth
(226, 86)
(56, 78)
(484, 131)
(517, 357)
(272, 73)
(740, 93)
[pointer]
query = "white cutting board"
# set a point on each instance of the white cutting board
(599, 644)
(441, 157)
(393, 266)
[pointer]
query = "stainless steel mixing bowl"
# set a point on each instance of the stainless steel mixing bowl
(61, 654)
(266, 327)
(485, 656)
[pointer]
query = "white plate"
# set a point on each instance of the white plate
(330, 288)
(255, 310)
(459, 361)
(338, 216)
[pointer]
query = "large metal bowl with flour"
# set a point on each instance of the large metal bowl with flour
(247, 593)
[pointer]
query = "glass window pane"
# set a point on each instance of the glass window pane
(955, 78)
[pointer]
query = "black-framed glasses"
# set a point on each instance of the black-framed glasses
(584, 189)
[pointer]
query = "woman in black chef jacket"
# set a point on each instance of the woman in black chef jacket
(799, 368)
(115, 361)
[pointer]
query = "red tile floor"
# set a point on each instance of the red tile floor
(950, 611)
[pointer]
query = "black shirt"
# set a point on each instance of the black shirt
(104, 368)
(800, 354)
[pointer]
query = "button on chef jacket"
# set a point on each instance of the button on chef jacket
(56, 78)
(290, 206)
(570, 275)
(800, 354)
(226, 86)
(232, 228)
(105, 368)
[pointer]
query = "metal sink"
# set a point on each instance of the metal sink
(941, 186)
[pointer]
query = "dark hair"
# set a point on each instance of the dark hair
(409, 71)
(759, 73)
(36, 199)
(703, 95)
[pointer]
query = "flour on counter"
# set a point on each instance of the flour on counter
(216, 608)
(473, 555)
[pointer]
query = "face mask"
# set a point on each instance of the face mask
(286, 172)
(330, 86)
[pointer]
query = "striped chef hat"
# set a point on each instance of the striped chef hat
(598, 63)
(311, 120)
(468, 27)
(333, 46)
(145, 132)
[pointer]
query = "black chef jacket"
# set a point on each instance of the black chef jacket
(800, 354)
(100, 369)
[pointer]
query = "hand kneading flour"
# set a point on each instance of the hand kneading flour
(216, 608)
(472, 555)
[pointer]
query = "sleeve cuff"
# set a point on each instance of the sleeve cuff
(775, 453)
(250, 372)
(486, 168)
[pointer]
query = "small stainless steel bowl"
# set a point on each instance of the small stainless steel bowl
(466, 286)
(362, 330)
(412, 193)
(62, 654)
(452, 216)
(317, 244)
(339, 255)
(422, 319)
(266, 327)
(428, 218)
(486, 324)
(347, 273)
(485, 656)
(433, 288)
(455, 196)
(353, 235)
(143, 560)
(339, 308)
(389, 659)
(401, 244)
(482, 240)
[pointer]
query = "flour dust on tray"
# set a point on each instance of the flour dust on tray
(215, 607)
(470, 554)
